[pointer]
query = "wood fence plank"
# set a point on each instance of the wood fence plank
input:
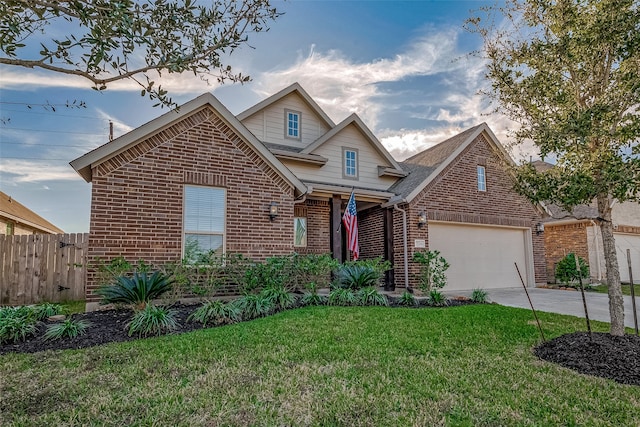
(3, 263)
(20, 265)
(52, 242)
(43, 254)
(27, 271)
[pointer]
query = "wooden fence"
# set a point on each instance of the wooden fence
(42, 267)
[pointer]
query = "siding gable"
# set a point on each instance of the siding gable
(268, 124)
(369, 159)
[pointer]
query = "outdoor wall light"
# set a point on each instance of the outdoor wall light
(273, 210)
(539, 228)
(422, 219)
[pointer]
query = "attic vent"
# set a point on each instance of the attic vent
(482, 161)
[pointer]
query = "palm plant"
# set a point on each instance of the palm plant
(137, 290)
(356, 276)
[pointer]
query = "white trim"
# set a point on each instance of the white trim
(224, 217)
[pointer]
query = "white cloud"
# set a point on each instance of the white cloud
(21, 171)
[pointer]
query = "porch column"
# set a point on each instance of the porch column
(336, 227)
(389, 277)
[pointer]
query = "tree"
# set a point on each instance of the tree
(567, 71)
(108, 41)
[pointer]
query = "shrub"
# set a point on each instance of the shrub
(152, 320)
(407, 299)
(69, 328)
(216, 312)
(566, 270)
(436, 298)
(342, 297)
(479, 295)
(313, 270)
(47, 309)
(355, 277)
(17, 323)
(253, 306)
(137, 290)
(432, 268)
(280, 298)
(370, 296)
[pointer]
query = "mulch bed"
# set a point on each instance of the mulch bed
(603, 355)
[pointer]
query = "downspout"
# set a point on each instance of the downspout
(404, 242)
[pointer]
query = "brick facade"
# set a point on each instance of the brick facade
(453, 196)
(137, 195)
(563, 239)
(318, 214)
(371, 233)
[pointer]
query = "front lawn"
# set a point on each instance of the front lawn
(626, 289)
(369, 366)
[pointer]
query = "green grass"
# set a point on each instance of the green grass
(72, 307)
(626, 289)
(322, 366)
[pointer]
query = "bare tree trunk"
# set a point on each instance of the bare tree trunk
(616, 302)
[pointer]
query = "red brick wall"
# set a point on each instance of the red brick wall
(371, 233)
(137, 195)
(560, 240)
(318, 214)
(453, 196)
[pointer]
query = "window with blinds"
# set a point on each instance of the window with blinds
(204, 221)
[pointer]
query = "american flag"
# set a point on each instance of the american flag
(350, 220)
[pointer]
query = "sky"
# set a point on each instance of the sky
(403, 66)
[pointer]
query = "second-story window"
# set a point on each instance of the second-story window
(350, 166)
(482, 179)
(292, 127)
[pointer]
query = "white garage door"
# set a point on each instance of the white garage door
(631, 242)
(481, 257)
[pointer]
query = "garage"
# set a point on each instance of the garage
(483, 256)
(631, 242)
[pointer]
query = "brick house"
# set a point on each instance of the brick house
(16, 219)
(275, 179)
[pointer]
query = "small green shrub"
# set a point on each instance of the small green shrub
(69, 328)
(407, 299)
(137, 290)
(436, 298)
(355, 277)
(152, 320)
(371, 296)
(216, 312)
(280, 298)
(432, 270)
(47, 309)
(342, 297)
(566, 270)
(17, 323)
(479, 295)
(254, 305)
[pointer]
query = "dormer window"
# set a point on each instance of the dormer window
(350, 163)
(292, 124)
(482, 179)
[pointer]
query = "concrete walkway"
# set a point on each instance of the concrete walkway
(563, 302)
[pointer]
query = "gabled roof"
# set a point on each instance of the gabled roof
(17, 212)
(353, 119)
(294, 88)
(84, 164)
(425, 166)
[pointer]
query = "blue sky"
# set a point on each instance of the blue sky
(402, 66)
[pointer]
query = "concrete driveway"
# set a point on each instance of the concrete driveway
(562, 302)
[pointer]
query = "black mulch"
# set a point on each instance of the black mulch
(608, 356)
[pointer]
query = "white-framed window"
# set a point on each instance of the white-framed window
(292, 124)
(350, 163)
(203, 221)
(300, 232)
(482, 178)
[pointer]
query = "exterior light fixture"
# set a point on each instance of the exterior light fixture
(539, 228)
(422, 219)
(273, 210)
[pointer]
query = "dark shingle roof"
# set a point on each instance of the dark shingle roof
(423, 164)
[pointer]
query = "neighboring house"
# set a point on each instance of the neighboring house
(579, 232)
(16, 219)
(275, 179)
